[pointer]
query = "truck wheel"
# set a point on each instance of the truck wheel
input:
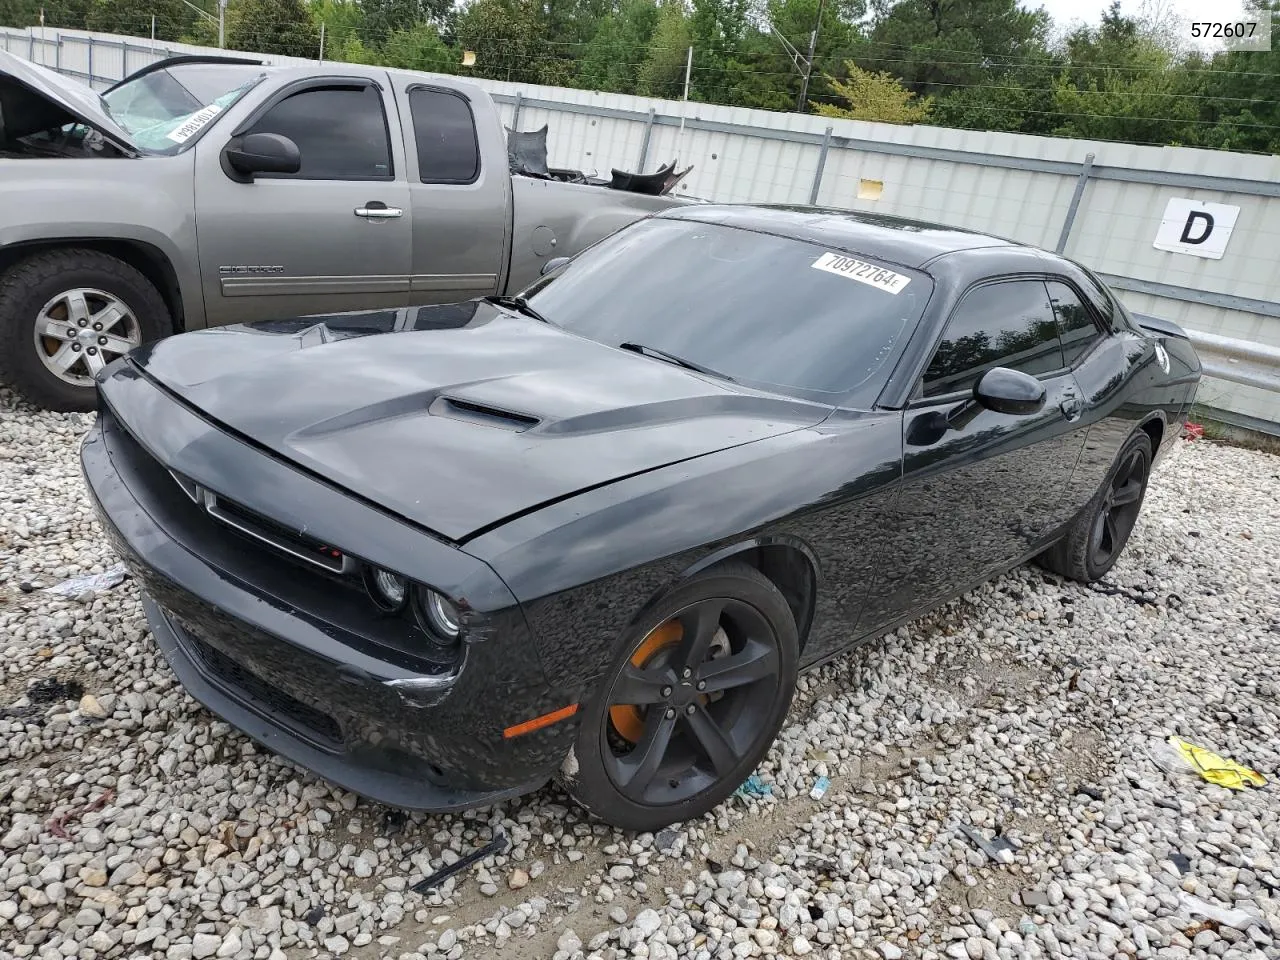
(66, 314)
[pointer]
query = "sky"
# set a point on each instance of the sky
(1090, 11)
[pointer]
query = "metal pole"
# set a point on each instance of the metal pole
(1075, 204)
(817, 174)
(42, 35)
(688, 71)
(153, 33)
(644, 144)
(321, 60)
(91, 59)
(808, 66)
(222, 23)
(515, 113)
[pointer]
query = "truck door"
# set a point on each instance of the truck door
(334, 236)
(461, 194)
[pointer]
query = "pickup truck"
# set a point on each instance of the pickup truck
(206, 190)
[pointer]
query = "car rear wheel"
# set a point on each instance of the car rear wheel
(66, 314)
(691, 704)
(1099, 534)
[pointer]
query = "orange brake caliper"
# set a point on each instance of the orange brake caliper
(628, 719)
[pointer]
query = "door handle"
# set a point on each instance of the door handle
(377, 210)
(1071, 407)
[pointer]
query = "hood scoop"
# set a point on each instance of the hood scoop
(481, 414)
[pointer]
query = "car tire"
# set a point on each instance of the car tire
(733, 629)
(1100, 532)
(48, 289)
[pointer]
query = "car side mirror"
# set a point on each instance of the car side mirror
(253, 153)
(552, 265)
(1009, 392)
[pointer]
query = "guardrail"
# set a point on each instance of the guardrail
(1240, 361)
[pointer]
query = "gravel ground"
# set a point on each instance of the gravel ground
(134, 824)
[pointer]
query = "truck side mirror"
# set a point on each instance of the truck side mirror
(253, 153)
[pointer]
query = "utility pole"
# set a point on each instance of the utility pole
(688, 72)
(222, 23)
(808, 64)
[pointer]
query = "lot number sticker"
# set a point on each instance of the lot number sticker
(867, 273)
(194, 123)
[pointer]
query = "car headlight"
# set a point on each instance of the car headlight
(389, 591)
(438, 616)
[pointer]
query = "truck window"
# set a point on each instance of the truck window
(341, 132)
(445, 132)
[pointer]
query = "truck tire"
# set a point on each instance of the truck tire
(65, 314)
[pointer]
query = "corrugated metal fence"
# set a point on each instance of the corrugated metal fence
(1101, 203)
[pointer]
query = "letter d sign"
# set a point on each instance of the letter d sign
(1196, 228)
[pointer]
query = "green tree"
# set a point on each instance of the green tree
(880, 97)
(505, 35)
(344, 31)
(1019, 99)
(382, 18)
(1119, 83)
(133, 17)
(420, 48)
(57, 13)
(795, 20)
(661, 74)
(282, 27)
(937, 46)
(1239, 91)
(612, 59)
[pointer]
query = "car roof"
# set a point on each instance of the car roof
(912, 243)
(295, 71)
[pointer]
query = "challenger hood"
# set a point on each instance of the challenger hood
(34, 98)
(459, 428)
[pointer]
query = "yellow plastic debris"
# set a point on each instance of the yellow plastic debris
(1215, 768)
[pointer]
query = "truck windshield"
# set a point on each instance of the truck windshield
(164, 109)
(774, 312)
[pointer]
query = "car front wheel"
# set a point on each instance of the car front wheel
(66, 314)
(691, 704)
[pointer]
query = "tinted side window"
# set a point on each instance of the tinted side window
(1075, 322)
(445, 132)
(341, 132)
(1007, 324)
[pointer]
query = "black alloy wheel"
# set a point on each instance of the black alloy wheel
(1118, 512)
(1098, 535)
(691, 705)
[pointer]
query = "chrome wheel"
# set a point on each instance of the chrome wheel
(80, 331)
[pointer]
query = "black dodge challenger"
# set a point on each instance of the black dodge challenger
(439, 555)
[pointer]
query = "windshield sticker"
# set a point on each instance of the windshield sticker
(194, 123)
(867, 273)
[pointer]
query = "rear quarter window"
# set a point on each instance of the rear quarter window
(444, 131)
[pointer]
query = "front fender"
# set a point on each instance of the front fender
(149, 200)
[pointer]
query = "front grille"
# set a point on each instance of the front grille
(265, 530)
(319, 726)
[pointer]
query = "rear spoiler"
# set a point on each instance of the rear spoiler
(1157, 325)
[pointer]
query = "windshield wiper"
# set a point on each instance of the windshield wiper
(519, 305)
(645, 351)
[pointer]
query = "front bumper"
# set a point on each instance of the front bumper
(267, 646)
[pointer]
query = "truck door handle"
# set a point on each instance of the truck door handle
(377, 210)
(1071, 407)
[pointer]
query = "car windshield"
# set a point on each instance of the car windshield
(764, 310)
(164, 109)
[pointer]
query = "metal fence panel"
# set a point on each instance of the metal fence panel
(1105, 200)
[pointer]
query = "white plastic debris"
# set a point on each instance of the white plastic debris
(95, 582)
(1228, 917)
